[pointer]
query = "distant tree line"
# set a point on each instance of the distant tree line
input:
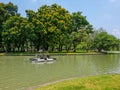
(52, 28)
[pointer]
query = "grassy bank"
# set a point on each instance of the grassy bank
(51, 53)
(104, 82)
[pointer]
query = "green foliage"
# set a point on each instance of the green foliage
(50, 28)
(79, 21)
(104, 41)
(16, 29)
(51, 24)
(6, 11)
(81, 27)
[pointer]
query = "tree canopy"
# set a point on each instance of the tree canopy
(51, 28)
(6, 11)
(105, 41)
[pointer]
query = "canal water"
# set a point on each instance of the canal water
(18, 73)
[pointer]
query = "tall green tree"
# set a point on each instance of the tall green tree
(6, 11)
(36, 38)
(104, 41)
(56, 23)
(51, 23)
(81, 27)
(79, 21)
(16, 33)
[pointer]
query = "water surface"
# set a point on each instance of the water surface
(17, 73)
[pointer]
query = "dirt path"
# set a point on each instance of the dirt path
(49, 83)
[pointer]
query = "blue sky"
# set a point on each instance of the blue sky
(100, 13)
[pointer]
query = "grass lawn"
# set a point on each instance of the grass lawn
(104, 82)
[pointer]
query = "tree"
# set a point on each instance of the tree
(79, 21)
(51, 24)
(104, 41)
(78, 37)
(36, 38)
(17, 30)
(81, 27)
(6, 11)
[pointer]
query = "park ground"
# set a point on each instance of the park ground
(103, 82)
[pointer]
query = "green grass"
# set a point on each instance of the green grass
(105, 82)
(51, 53)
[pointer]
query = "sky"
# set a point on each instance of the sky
(100, 13)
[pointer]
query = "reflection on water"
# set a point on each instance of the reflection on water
(17, 73)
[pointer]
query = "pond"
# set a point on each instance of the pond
(17, 73)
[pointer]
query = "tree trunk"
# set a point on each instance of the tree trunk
(60, 48)
(74, 48)
(52, 48)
